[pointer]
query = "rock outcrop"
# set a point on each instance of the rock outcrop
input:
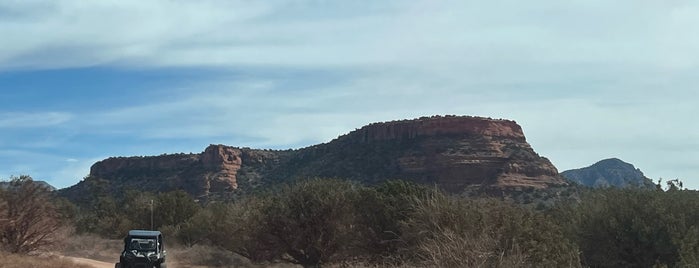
(438, 126)
(453, 152)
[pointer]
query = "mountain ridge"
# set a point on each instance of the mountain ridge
(610, 172)
(453, 152)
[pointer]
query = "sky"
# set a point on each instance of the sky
(81, 81)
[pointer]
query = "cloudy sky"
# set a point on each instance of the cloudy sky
(587, 80)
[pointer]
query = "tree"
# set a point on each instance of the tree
(30, 219)
(634, 228)
(174, 208)
(308, 223)
(383, 208)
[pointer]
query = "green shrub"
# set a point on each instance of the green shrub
(313, 221)
(381, 210)
(451, 232)
(634, 228)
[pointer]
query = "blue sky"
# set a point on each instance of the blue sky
(587, 80)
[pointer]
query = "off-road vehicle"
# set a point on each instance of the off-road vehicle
(142, 249)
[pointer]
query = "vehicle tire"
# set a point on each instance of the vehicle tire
(162, 265)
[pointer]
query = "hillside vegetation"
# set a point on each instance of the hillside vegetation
(326, 222)
(8, 260)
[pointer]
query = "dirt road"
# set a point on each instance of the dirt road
(93, 263)
(101, 264)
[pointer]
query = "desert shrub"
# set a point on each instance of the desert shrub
(634, 228)
(29, 221)
(194, 230)
(174, 208)
(309, 222)
(104, 216)
(451, 232)
(207, 256)
(240, 227)
(111, 216)
(380, 211)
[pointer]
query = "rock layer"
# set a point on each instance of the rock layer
(453, 152)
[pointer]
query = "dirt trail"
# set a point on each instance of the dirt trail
(93, 263)
(101, 264)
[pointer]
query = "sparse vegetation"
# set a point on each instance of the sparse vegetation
(634, 228)
(8, 260)
(329, 222)
(29, 221)
(452, 232)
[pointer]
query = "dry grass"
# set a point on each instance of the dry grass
(106, 250)
(92, 247)
(23, 261)
(205, 256)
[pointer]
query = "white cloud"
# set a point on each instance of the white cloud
(586, 79)
(32, 120)
(312, 33)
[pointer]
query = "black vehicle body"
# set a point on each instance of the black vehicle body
(143, 249)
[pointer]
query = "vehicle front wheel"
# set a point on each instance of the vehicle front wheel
(162, 265)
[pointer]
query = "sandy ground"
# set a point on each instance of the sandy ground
(101, 264)
(93, 263)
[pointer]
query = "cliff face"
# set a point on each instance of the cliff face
(216, 170)
(438, 126)
(452, 152)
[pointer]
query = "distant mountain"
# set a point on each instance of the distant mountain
(452, 152)
(46, 184)
(6, 184)
(609, 173)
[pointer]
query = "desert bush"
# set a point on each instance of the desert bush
(174, 208)
(380, 211)
(112, 217)
(208, 256)
(634, 228)
(313, 221)
(195, 230)
(30, 221)
(446, 231)
(103, 216)
(238, 227)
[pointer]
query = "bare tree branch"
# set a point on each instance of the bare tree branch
(29, 219)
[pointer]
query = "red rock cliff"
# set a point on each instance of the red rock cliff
(451, 151)
(439, 126)
(454, 152)
(214, 170)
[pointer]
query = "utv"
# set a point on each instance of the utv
(143, 249)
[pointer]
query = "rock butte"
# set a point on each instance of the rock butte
(453, 152)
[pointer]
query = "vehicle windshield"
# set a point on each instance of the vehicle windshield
(142, 244)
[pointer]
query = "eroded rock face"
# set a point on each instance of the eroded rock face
(222, 164)
(453, 152)
(439, 126)
(214, 170)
